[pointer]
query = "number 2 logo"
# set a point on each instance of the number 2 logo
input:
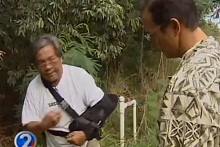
(25, 139)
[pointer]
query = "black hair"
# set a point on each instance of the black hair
(162, 11)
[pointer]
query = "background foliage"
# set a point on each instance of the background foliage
(104, 37)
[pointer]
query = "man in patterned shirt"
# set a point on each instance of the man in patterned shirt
(190, 110)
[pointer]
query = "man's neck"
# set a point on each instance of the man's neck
(192, 39)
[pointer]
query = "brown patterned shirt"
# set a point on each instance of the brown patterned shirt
(190, 113)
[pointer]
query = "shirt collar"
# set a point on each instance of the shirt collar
(192, 50)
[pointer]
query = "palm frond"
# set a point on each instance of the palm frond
(77, 50)
(78, 58)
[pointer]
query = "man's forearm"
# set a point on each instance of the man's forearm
(35, 127)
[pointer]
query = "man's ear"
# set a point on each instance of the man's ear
(175, 24)
(62, 59)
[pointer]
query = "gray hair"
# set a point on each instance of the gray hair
(44, 40)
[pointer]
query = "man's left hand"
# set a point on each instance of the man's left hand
(77, 138)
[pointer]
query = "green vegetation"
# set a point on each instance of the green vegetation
(104, 37)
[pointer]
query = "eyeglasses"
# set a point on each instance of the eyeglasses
(50, 61)
(150, 35)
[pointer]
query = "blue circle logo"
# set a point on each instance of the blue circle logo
(25, 139)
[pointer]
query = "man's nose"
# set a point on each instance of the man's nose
(48, 66)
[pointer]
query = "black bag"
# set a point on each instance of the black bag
(90, 121)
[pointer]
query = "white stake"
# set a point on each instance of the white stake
(122, 107)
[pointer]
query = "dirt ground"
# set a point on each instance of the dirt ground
(7, 133)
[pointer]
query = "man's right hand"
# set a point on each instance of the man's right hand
(51, 119)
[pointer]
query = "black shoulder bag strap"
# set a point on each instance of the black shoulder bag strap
(63, 103)
(65, 106)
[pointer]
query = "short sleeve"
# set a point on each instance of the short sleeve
(92, 92)
(29, 111)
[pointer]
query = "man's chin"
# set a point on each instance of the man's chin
(51, 79)
(166, 55)
(169, 56)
